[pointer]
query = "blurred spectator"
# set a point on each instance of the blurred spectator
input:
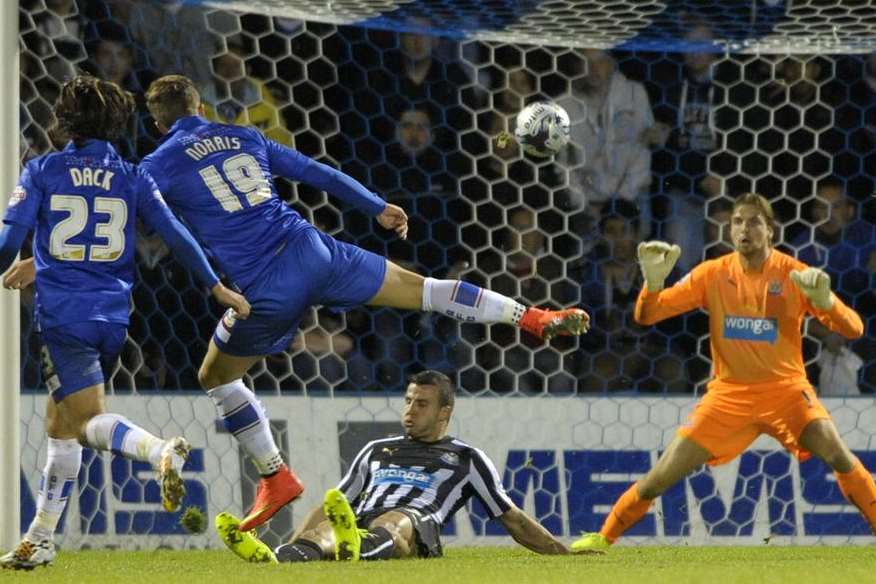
(868, 98)
(841, 242)
(419, 153)
(689, 119)
(233, 96)
(839, 371)
(58, 44)
(527, 244)
(625, 356)
(423, 74)
(152, 371)
(414, 132)
(114, 61)
(112, 56)
(842, 245)
(609, 156)
(794, 118)
(327, 348)
(716, 229)
(173, 34)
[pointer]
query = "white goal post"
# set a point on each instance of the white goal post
(10, 362)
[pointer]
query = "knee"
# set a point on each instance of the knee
(837, 457)
(825, 443)
(651, 488)
(320, 539)
(78, 427)
(402, 546)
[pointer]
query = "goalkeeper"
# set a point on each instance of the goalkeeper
(402, 490)
(756, 298)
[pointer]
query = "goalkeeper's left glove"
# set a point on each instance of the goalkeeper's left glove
(815, 284)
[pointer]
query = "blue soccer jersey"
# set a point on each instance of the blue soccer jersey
(83, 204)
(218, 179)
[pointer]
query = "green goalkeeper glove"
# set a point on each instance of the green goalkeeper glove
(815, 284)
(657, 258)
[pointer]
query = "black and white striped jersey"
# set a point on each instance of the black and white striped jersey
(436, 478)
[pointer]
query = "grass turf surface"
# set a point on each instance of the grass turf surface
(712, 565)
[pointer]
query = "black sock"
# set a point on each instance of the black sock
(377, 544)
(300, 551)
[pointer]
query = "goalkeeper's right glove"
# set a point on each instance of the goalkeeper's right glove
(657, 258)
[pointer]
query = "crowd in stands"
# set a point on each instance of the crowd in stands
(660, 145)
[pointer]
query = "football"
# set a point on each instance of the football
(542, 128)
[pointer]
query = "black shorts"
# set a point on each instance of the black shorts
(427, 531)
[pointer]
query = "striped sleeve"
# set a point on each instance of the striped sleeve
(484, 478)
(357, 475)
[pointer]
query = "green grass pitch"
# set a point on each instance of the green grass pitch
(676, 565)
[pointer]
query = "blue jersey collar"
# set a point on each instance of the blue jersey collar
(91, 147)
(187, 123)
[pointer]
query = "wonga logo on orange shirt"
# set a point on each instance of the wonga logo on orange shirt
(744, 328)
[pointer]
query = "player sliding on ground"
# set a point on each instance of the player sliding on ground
(402, 489)
(84, 203)
(219, 179)
(756, 298)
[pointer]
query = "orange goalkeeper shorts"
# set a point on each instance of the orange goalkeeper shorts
(731, 416)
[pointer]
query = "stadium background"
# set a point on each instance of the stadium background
(409, 100)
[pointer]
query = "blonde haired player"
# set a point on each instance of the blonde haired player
(756, 298)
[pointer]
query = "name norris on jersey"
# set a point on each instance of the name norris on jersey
(201, 148)
(92, 177)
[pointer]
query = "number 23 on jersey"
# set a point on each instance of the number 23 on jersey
(112, 230)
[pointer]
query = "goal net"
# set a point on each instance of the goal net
(676, 107)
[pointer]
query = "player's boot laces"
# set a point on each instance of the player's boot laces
(173, 458)
(274, 493)
(348, 538)
(591, 543)
(28, 555)
(245, 544)
(547, 324)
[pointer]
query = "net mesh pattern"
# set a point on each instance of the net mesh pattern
(708, 100)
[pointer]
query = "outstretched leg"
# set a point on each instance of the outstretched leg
(339, 537)
(85, 414)
(677, 461)
(822, 439)
(470, 303)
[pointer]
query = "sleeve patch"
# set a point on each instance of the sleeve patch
(18, 195)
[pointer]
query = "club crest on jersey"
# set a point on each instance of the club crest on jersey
(745, 328)
(18, 195)
(450, 458)
(774, 288)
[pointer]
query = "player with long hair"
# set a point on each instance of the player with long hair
(83, 203)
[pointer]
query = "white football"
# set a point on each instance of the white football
(542, 128)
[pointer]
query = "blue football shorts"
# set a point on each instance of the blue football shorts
(312, 269)
(79, 355)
